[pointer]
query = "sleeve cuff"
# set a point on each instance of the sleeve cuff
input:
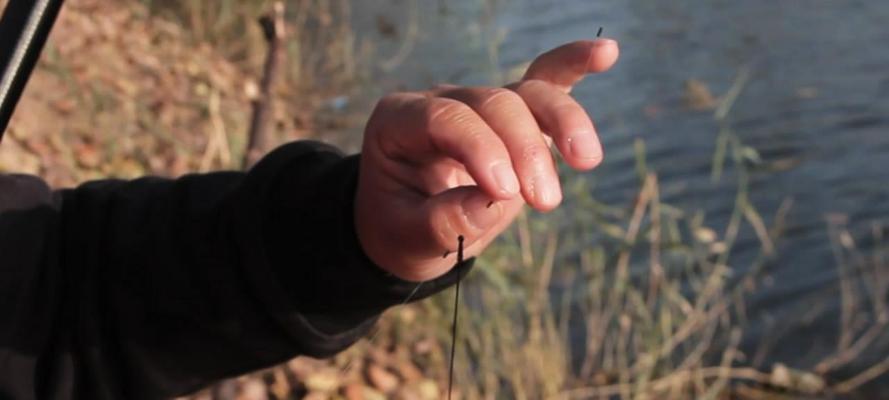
(314, 249)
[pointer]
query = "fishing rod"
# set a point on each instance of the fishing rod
(24, 27)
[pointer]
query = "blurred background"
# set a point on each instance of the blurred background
(732, 244)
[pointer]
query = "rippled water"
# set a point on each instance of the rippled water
(816, 108)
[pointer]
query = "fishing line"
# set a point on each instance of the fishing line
(454, 325)
(457, 297)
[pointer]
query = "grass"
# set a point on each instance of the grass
(602, 324)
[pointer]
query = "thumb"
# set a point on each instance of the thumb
(462, 211)
(433, 228)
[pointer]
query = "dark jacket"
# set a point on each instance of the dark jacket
(154, 288)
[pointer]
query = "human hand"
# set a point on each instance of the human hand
(464, 160)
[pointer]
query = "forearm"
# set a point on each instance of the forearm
(175, 283)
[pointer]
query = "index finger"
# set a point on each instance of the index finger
(566, 65)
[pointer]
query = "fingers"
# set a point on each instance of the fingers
(566, 65)
(429, 229)
(444, 175)
(448, 163)
(426, 228)
(565, 121)
(460, 133)
(465, 211)
(424, 129)
(496, 134)
(509, 117)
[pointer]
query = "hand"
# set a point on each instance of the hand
(464, 160)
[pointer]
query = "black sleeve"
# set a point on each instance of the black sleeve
(154, 288)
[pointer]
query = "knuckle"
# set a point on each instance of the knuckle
(474, 143)
(535, 152)
(443, 111)
(484, 139)
(499, 98)
(451, 119)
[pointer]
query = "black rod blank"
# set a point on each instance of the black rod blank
(24, 27)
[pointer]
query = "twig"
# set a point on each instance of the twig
(217, 143)
(274, 29)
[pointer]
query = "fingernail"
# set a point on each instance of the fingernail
(583, 146)
(506, 179)
(478, 213)
(547, 193)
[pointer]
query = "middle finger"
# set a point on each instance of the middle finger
(564, 120)
(511, 119)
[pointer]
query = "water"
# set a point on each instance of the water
(816, 108)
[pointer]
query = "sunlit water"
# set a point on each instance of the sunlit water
(816, 108)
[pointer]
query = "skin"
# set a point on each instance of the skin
(456, 160)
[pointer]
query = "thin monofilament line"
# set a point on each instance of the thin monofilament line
(454, 325)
